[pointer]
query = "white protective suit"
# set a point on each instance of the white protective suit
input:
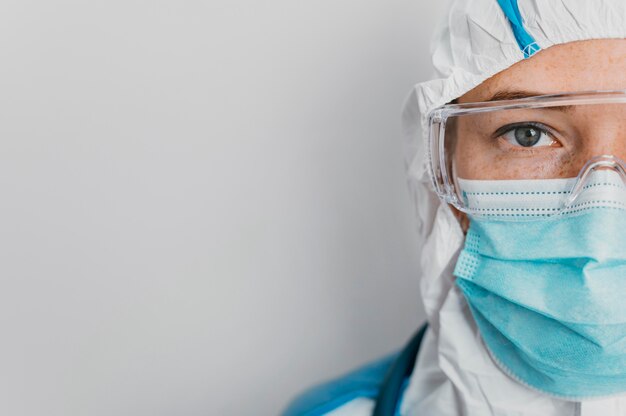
(454, 374)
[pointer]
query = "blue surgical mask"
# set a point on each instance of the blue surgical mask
(548, 293)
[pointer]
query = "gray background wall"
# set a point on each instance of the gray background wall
(203, 204)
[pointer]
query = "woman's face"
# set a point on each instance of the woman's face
(577, 66)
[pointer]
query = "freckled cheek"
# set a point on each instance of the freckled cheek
(570, 165)
(485, 163)
(474, 161)
(567, 168)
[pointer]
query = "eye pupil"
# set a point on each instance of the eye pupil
(527, 136)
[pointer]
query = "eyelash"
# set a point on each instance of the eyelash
(542, 128)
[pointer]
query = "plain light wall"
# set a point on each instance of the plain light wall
(204, 208)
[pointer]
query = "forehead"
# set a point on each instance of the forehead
(598, 64)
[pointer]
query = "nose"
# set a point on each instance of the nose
(604, 132)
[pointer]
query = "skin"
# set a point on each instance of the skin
(588, 65)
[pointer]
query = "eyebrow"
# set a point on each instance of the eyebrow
(512, 95)
(517, 94)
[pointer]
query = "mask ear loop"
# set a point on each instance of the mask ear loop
(597, 162)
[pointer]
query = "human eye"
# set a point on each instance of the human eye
(527, 135)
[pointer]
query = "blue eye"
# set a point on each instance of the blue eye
(527, 135)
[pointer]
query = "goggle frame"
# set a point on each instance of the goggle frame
(442, 180)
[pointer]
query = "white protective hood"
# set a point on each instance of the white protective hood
(454, 374)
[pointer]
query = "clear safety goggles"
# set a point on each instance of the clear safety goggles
(514, 144)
